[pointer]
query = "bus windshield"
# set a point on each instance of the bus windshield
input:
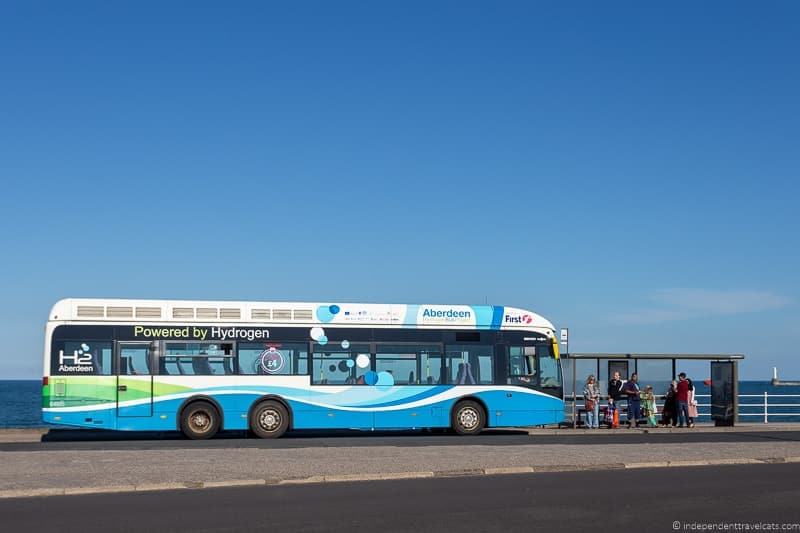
(549, 368)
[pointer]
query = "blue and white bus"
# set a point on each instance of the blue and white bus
(204, 366)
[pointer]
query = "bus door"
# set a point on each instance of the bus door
(533, 365)
(134, 379)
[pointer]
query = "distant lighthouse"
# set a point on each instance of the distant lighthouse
(778, 383)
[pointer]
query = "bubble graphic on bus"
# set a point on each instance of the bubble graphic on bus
(371, 377)
(325, 313)
(316, 333)
(350, 363)
(385, 379)
(362, 360)
(323, 340)
(345, 344)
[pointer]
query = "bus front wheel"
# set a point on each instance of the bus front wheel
(269, 420)
(469, 418)
(200, 420)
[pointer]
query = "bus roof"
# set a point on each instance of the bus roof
(300, 313)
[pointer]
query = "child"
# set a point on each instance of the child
(649, 404)
(612, 414)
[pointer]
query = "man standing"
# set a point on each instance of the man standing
(682, 398)
(614, 395)
(631, 390)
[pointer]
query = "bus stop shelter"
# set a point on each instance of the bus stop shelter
(657, 370)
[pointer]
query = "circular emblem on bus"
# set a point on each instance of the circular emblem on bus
(271, 360)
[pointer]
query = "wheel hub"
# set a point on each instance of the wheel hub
(269, 420)
(200, 421)
(468, 418)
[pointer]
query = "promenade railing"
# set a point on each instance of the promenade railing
(764, 407)
(754, 407)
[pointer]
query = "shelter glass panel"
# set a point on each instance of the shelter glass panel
(655, 372)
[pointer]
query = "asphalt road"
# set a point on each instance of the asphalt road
(636, 500)
(99, 440)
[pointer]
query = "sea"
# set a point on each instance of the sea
(21, 403)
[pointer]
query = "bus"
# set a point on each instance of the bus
(269, 367)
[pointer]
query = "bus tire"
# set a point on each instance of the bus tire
(468, 418)
(269, 419)
(200, 420)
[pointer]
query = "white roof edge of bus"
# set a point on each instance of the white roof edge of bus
(63, 309)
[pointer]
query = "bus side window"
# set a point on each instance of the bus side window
(470, 364)
(522, 368)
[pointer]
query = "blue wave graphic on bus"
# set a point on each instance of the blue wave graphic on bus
(401, 407)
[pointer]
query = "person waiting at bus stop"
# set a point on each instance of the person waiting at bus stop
(692, 403)
(591, 399)
(631, 390)
(614, 395)
(669, 415)
(682, 396)
(650, 411)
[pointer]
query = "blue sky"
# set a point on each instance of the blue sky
(627, 170)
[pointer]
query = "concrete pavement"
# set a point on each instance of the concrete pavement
(677, 499)
(53, 468)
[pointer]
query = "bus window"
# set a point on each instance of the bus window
(522, 367)
(134, 359)
(470, 364)
(402, 367)
(273, 358)
(197, 359)
(410, 364)
(334, 365)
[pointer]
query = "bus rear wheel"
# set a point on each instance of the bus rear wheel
(200, 420)
(269, 419)
(469, 418)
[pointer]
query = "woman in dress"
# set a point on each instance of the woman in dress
(692, 404)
